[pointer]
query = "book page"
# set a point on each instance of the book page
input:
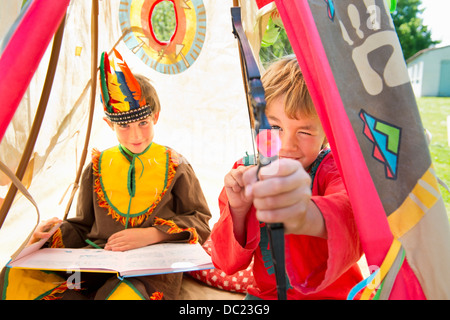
(168, 256)
(158, 258)
(37, 245)
(69, 259)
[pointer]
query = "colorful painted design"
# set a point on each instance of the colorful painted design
(185, 45)
(330, 9)
(386, 140)
(422, 198)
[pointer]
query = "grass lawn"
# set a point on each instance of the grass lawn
(434, 113)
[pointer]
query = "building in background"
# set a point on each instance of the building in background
(429, 71)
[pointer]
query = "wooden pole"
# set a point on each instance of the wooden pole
(29, 147)
(94, 62)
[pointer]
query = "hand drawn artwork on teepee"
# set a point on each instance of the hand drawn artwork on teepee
(141, 34)
(365, 43)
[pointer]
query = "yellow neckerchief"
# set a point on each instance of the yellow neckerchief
(131, 185)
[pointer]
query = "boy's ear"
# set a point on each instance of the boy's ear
(155, 118)
(110, 124)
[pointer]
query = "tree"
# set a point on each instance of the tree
(413, 35)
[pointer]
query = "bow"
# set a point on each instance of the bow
(256, 103)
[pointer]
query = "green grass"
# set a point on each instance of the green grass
(434, 113)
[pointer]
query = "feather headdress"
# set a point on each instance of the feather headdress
(121, 93)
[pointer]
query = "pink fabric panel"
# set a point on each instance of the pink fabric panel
(24, 51)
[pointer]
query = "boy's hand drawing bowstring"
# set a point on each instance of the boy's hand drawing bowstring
(267, 144)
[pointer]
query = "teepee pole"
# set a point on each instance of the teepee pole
(94, 62)
(26, 155)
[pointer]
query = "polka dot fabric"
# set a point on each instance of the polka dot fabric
(238, 282)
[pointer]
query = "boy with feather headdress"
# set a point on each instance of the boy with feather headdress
(132, 195)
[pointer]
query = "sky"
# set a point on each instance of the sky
(436, 17)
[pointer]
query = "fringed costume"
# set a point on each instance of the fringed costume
(119, 190)
(165, 194)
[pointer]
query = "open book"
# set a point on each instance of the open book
(154, 259)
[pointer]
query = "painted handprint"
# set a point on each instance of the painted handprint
(366, 37)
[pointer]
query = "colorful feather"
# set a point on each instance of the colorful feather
(120, 90)
(118, 98)
(131, 82)
(129, 96)
(104, 69)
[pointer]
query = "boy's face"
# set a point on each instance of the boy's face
(301, 139)
(135, 136)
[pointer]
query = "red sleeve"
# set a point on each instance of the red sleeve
(227, 254)
(336, 255)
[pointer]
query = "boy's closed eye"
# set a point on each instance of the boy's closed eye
(279, 129)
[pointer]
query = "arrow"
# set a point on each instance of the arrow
(178, 48)
(184, 4)
(142, 42)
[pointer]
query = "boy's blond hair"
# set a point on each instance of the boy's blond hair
(149, 93)
(284, 77)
